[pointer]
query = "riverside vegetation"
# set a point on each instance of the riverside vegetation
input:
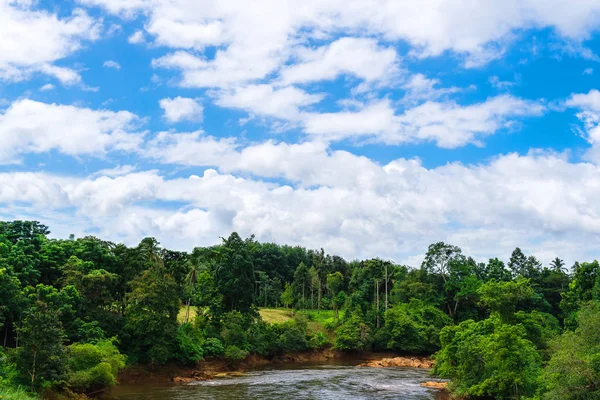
(74, 312)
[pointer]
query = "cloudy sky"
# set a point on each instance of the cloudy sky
(367, 127)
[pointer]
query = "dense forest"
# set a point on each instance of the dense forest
(74, 312)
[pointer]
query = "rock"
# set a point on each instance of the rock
(412, 362)
(435, 385)
(183, 379)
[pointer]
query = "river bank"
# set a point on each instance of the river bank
(214, 369)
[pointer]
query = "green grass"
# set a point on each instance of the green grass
(181, 315)
(318, 320)
(15, 394)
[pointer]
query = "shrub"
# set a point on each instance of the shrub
(234, 353)
(190, 343)
(213, 347)
(93, 366)
(318, 341)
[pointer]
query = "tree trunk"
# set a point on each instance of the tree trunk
(319, 290)
(377, 300)
(386, 287)
(187, 311)
(33, 371)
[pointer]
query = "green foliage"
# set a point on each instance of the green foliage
(10, 393)
(502, 297)
(40, 358)
(190, 341)
(353, 334)
(213, 347)
(413, 327)
(573, 372)
(488, 358)
(151, 317)
(234, 353)
(93, 367)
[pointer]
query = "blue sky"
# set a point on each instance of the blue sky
(369, 128)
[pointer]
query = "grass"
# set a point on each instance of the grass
(15, 394)
(181, 315)
(317, 319)
(275, 315)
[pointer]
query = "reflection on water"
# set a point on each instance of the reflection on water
(316, 382)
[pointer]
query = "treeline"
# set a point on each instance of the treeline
(73, 312)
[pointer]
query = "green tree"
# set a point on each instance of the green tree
(287, 296)
(40, 358)
(502, 298)
(573, 372)
(488, 359)
(335, 283)
(151, 316)
(234, 273)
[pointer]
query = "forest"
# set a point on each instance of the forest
(74, 312)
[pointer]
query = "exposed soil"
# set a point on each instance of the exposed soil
(214, 369)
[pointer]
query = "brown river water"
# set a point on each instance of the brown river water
(328, 382)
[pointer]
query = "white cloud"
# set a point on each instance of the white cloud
(589, 114)
(500, 84)
(265, 100)
(588, 71)
(253, 45)
(47, 87)
(32, 40)
(111, 64)
(350, 205)
(136, 38)
(359, 57)
(181, 108)
(29, 126)
(447, 124)
(419, 87)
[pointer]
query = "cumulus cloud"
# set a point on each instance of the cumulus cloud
(181, 108)
(355, 206)
(359, 57)
(32, 40)
(447, 124)
(29, 126)
(252, 45)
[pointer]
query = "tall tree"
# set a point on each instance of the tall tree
(438, 257)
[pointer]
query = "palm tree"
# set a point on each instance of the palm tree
(558, 265)
(195, 267)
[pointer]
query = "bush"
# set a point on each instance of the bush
(353, 334)
(318, 341)
(8, 393)
(93, 366)
(190, 341)
(413, 327)
(234, 353)
(213, 347)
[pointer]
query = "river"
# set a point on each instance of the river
(328, 382)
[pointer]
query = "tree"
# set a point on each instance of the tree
(573, 371)
(234, 273)
(301, 276)
(438, 256)
(151, 316)
(558, 265)
(40, 358)
(287, 297)
(489, 359)
(335, 283)
(501, 298)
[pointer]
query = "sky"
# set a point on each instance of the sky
(364, 127)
